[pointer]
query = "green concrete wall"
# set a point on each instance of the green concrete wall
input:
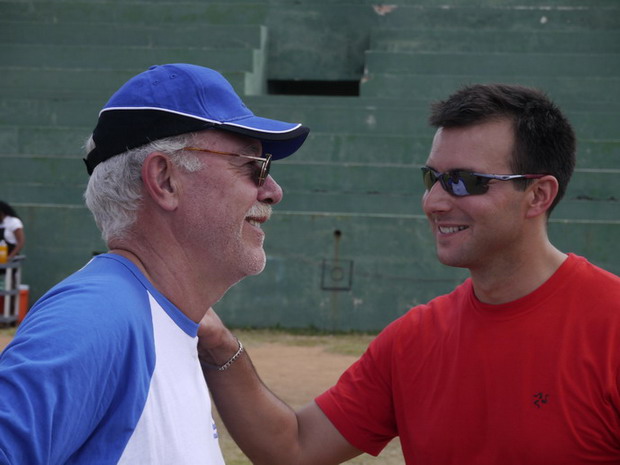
(348, 248)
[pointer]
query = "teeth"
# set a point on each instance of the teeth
(451, 229)
(254, 222)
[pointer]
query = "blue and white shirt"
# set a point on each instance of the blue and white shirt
(104, 370)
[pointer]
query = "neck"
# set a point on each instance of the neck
(179, 281)
(517, 277)
(132, 257)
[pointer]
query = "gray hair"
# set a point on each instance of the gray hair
(114, 191)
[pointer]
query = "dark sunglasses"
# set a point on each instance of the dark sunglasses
(264, 164)
(462, 183)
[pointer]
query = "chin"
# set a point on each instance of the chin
(256, 264)
(257, 270)
(455, 262)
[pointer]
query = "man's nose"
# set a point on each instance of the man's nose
(436, 199)
(270, 192)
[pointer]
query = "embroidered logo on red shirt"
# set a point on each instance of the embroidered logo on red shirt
(540, 399)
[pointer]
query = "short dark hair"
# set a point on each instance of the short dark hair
(544, 139)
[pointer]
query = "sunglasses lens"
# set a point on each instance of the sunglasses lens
(457, 183)
(428, 177)
(474, 184)
(462, 183)
(264, 172)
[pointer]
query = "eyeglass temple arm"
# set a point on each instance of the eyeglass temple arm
(508, 177)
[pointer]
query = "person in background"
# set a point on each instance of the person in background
(104, 368)
(12, 230)
(520, 364)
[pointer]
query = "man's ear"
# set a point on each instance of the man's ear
(541, 194)
(159, 176)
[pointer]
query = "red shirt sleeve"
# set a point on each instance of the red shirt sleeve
(360, 405)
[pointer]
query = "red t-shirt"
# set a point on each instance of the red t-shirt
(534, 381)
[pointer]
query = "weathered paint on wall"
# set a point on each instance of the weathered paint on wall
(348, 247)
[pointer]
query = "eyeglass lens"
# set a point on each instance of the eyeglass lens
(265, 166)
(457, 183)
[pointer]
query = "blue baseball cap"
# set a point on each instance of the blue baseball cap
(173, 99)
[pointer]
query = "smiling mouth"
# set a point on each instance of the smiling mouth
(258, 215)
(451, 229)
(256, 222)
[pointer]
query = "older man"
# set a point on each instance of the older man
(104, 369)
(518, 365)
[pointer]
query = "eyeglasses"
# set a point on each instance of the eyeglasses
(265, 163)
(462, 183)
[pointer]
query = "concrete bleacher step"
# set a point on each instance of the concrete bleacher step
(50, 111)
(95, 84)
(320, 147)
(397, 116)
(279, 103)
(132, 12)
(598, 153)
(217, 36)
(560, 88)
(496, 41)
(349, 116)
(381, 271)
(498, 64)
(358, 172)
(43, 179)
(548, 4)
(41, 194)
(570, 208)
(346, 148)
(108, 57)
(44, 140)
(388, 188)
(320, 112)
(401, 268)
(380, 178)
(411, 149)
(504, 17)
(349, 127)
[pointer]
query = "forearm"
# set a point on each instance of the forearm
(264, 427)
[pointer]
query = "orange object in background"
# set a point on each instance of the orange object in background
(4, 252)
(24, 292)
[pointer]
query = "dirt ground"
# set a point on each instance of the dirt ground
(4, 340)
(297, 372)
